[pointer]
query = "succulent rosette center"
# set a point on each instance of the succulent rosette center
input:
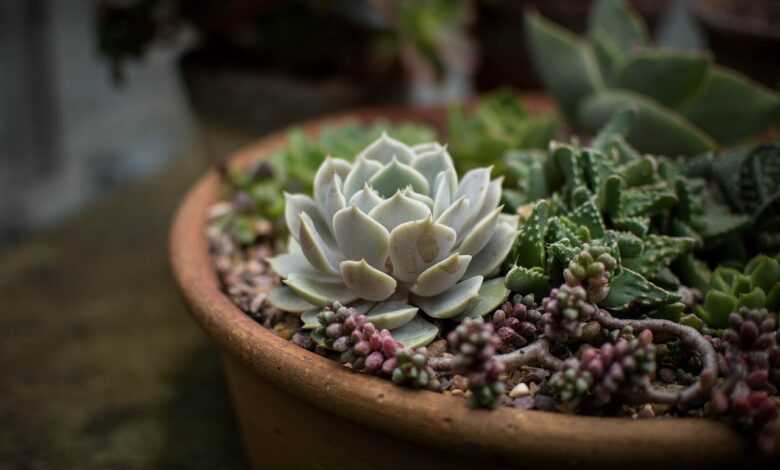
(393, 233)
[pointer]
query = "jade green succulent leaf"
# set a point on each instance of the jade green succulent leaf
(491, 295)
(629, 292)
(685, 104)
(395, 230)
(528, 281)
(418, 332)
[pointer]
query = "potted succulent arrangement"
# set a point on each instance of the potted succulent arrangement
(592, 303)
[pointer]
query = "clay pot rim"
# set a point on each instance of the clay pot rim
(423, 417)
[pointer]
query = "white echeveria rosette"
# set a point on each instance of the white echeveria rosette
(392, 234)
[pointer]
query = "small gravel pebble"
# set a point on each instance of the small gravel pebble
(520, 390)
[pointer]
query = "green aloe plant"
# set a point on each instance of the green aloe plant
(755, 287)
(686, 103)
(392, 234)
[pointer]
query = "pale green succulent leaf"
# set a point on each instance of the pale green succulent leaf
(361, 237)
(441, 276)
(417, 245)
(386, 148)
(417, 333)
(324, 180)
(566, 65)
(455, 216)
(668, 77)
(391, 314)
(431, 162)
(453, 301)
(295, 204)
(362, 171)
(489, 259)
(396, 176)
(481, 234)
(419, 197)
(319, 293)
(295, 262)
(658, 130)
(318, 253)
(492, 294)
(310, 320)
(366, 281)
(285, 299)
(333, 201)
(491, 201)
(731, 107)
(365, 199)
(398, 210)
(474, 187)
(619, 23)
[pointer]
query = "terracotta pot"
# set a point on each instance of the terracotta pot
(300, 410)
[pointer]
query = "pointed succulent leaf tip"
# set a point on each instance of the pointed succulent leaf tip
(365, 199)
(319, 293)
(490, 258)
(442, 195)
(366, 281)
(417, 245)
(441, 276)
(473, 187)
(316, 251)
(391, 314)
(492, 198)
(397, 210)
(334, 201)
(385, 148)
(492, 293)
(361, 172)
(481, 234)
(453, 301)
(432, 162)
(416, 333)
(408, 191)
(283, 298)
(295, 204)
(323, 180)
(395, 176)
(361, 237)
(450, 177)
(295, 262)
(455, 216)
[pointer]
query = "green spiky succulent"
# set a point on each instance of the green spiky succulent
(755, 287)
(394, 233)
(687, 104)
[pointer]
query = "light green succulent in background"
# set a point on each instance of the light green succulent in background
(392, 234)
(687, 104)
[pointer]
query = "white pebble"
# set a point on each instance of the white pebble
(520, 390)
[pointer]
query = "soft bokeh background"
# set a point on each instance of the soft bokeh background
(109, 110)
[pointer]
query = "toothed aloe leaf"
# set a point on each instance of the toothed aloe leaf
(588, 215)
(385, 149)
(294, 262)
(366, 199)
(319, 293)
(367, 281)
(453, 301)
(283, 298)
(391, 314)
(398, 210)
(528, 281)
(529, 248)
(361, 237)
(608, 196)
(455, 216)
(629, 245)
(714, 225)
(441, 276)
(653, 120)
(490, 258)
(731, 107)
(492, 294)
(431, 162)
(361, 173)
(668, 77)
(415, 246)
(317, 252)
(416, 333)
(657, 253)
(646, 200)
(629, 291)
(480, 235)
(639, 226)
(566, 64)
(474, 187)
(396, 176)
(639, 172)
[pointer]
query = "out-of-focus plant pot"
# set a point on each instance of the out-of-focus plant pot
(744, 35)
(300, 410)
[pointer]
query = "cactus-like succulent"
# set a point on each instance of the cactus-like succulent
(757, 287)
(517, 323)
(474, 344)
(395, 232)
(687, 104)
(600, 372)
